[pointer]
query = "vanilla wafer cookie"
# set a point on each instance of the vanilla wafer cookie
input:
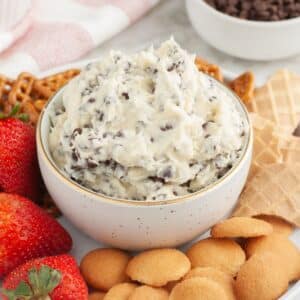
(241, 227)
(279, 225)
(222, 278)
(47, 86)
(265, 145)
(157, 267)
(261, 278)
(278, 100)
(198, 288)
(275, 190)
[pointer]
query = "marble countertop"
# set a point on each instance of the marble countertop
(168, 18)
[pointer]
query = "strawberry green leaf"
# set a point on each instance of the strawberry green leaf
(9, 294)
(15, 110)
(22, 292)
(15, 113)
(41, 283)
(23, 117)
(23, 289)
(34, 280)
(2, 115)
(45, 276)
(56, 279)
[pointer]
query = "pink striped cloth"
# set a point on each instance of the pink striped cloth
(54, 32)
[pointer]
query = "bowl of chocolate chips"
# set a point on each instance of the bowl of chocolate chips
(249, 29)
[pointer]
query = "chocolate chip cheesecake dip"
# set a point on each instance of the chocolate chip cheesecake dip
(147, 126)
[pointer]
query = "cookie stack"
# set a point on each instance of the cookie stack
(245, 258)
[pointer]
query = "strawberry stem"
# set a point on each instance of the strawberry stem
(15, 110)
(40, 284)
(15, 114)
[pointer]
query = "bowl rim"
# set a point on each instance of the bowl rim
(253, 23)
(101, 197)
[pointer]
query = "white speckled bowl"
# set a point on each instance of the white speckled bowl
(243, 38)
(137, 225)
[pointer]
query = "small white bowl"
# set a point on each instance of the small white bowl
(243, 38)
(137, 225)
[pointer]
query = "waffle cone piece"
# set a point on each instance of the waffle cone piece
(266, 149)
(290, 149)
(275, 190)
(278, 100)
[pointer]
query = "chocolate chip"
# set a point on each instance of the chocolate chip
(76, 168)
(91, 100)
(117, 58)
(151, 139)
(219, 175)
(119, 134)
(76, 180)
(171, 68)
(152, 87)
(75, 155)
(91, 164)
(186, 184)
(113, 165)
(125, 95)
(166, 127)
(101, 116)
(86, 91)
(77, 130)
(156, 179)
(212, 98)
(167, 173)
(206, 124)
(107, 100)
(107, 163)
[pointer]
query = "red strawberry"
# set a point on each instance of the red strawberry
(19, 171)
(27, 232)
(53, 277)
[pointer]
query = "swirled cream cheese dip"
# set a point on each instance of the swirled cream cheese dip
(147, 126)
